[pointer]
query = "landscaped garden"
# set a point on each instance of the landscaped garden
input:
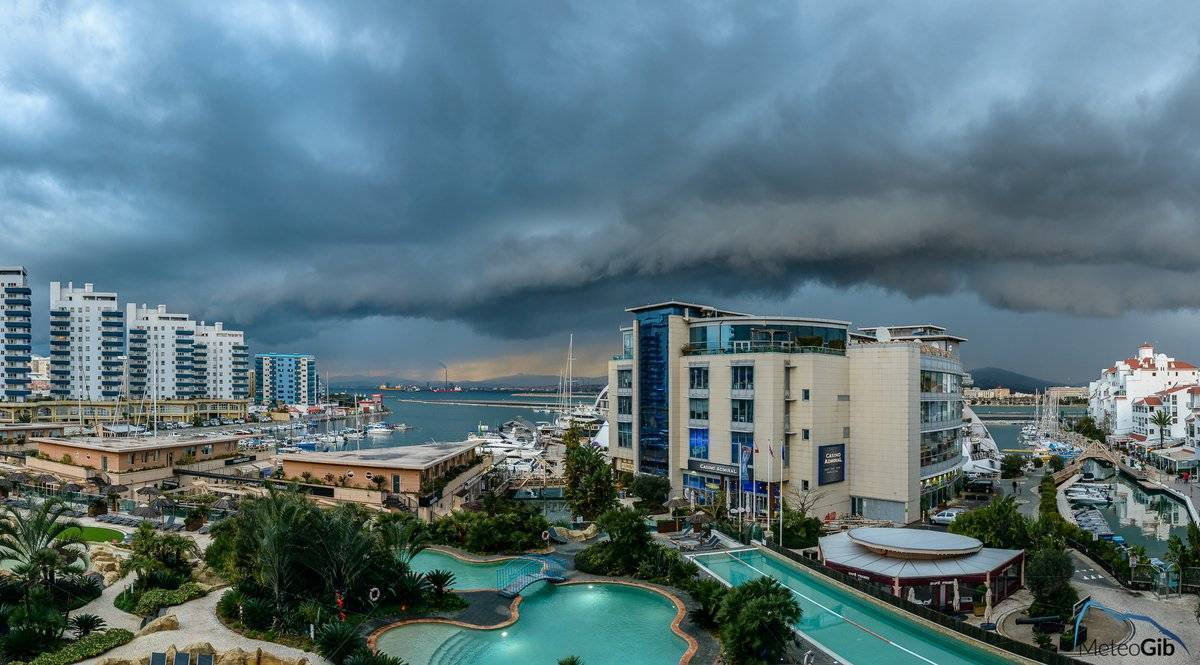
(46, 554)
(162, 564)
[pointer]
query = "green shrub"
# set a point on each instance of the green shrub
(337, 640)
(365, 657)
(257, 613)
(153, 600)
(229, 604)
(86, 647)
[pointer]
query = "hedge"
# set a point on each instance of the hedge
(86, 647)
(153, 600)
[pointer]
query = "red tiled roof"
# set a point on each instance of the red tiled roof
(1179, 364)
(1138, 437)
(1150, 400)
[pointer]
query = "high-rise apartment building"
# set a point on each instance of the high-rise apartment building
(286, 378)
(228, 361)
(87, 341)
(166, 343)
(17, 317)
(727, 405)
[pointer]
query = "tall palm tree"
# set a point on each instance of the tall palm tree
(342, 546)
(1162, 420)
(401, 536)
(41, 543)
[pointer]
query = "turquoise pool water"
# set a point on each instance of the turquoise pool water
(467, 574)
(859, 632)
(604, 624)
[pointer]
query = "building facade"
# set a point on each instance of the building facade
(87, 341)
(17, 317)
(227, 361)
(1111, 398)
(286, 378)
(164, 344)
(733, 407)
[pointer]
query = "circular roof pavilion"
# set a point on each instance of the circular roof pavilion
(913, 543)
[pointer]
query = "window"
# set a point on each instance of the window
(624, 435)
(742, 411)
(698, 443)
(804, 394)
(698, 378)
(396, 483)
(624, 378)
(625, 405)
(845, 432)
(743, 377)
(742, 443)
(843, 398)
(803, 485)
(698, 409)
(786, 453)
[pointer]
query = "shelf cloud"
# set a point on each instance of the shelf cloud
(526, 167)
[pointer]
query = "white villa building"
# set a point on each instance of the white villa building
(1112, 397)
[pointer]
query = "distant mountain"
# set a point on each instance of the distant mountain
(994, 377)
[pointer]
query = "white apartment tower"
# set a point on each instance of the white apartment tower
(733, 407)
(164, 342)
(228, 361)
(16, 314)
(87, 341)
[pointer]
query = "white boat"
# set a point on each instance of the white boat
(378, 429)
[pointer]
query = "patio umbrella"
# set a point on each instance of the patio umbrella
(17, 477)
(224, 503)
(71, 487)
(144, 511)
(161, 503)
(116, 489)
(149, 490)
(677, 502)
(700, 517)
(47, 479)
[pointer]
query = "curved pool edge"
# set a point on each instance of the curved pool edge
(469, 557)
(676, 624)
(515, 613)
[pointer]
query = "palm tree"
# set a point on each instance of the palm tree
(41, 543)
(570, 660)
(342, 546)
(85, 624)
(401, 536)
(1162, 420)
(440, 581)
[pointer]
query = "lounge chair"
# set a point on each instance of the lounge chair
(204, 659)
(708, 544)
(182, 658)
(158, 658)
(686, 534)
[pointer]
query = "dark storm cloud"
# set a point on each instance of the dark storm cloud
(511, 165)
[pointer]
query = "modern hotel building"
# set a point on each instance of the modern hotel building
(286, 378)
(868, 422)
(87, 343)
(1118, 397)
(174, 357)
(16, 314)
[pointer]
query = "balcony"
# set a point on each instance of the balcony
(17, 290)
(19, 358)
(24, 325)
(18, 302)
(759, 347)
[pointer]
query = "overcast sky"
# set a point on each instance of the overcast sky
(396, 184)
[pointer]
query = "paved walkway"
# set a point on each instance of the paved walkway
(198, 623)
(103, 607)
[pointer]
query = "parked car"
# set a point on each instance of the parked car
(947, 516)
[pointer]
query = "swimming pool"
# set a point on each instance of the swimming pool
(601, 623)
(469, 574)
(853, 629)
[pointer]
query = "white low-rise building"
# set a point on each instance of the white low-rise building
(1111, 398)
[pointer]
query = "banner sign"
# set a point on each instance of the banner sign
(832, 464)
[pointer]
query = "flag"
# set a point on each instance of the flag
(770, 450)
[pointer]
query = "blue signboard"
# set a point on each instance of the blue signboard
(831, 460)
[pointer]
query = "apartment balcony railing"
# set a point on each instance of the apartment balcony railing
(20, 302)
(628, 355)
(18, 290)
(759, 347)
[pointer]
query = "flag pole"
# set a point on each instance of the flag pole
(770, 462)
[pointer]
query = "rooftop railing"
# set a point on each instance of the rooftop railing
(759, 347)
